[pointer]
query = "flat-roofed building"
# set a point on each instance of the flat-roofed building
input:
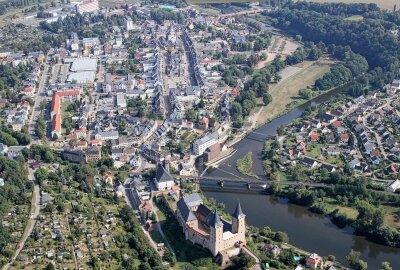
(87, 6)
(84, 64)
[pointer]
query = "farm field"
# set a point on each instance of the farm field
(383, 4)
(293, 80)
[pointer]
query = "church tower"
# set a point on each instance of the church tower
(239, 224)
(216, 231)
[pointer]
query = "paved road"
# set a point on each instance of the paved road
(257, 266)
(35, 209)
(132, 202)
(40, 96)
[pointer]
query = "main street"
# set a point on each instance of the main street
(41, 95)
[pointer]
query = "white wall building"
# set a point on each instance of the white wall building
(87, 6)
(202, 144)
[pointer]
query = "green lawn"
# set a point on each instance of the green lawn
(313, 150)
(354, 18)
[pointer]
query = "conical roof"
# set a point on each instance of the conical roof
(215, 220)
(238, 211)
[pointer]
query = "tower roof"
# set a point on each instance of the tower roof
(214, 220)
(238, 211)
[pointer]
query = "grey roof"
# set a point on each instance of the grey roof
(162, 175)
(186, 213)
(214, 220)
(193, 199)
(238, 211)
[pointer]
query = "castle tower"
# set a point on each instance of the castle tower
(216, 231)
(238, 223)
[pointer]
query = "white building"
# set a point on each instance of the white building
(121, 101)
(128, 24)
(107, 135)
(394, 186)
(202, 144)
(163, 179)
(87, 6)
(84, 64)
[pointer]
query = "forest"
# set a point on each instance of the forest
(11, 194)
(372, 37)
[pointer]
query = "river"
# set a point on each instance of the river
(311, 232)
(306, 230)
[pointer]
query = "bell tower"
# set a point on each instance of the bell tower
(239, 224)
(216, 232)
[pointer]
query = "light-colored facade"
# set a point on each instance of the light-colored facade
(202, 144)
(204, 227)
(88, 6)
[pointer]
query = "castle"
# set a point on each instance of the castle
(204, 227)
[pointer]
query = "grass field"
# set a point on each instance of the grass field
(383, 4)
(355, 18)
(284, 92)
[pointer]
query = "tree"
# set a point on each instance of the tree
(355, 262)
(386, 266)
(50, 266)
(281, 130)
(267, 98)
(169, 257)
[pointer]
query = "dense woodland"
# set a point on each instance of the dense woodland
(371, 37)
(11, 194)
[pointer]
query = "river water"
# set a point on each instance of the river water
(311, 232)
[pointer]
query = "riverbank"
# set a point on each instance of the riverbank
(285, 94)
(306, 230)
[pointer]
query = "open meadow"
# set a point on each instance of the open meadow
(294, 78)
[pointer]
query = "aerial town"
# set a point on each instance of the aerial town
(199, 135)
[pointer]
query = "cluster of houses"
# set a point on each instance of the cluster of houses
(359, 135)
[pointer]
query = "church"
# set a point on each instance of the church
(205, 227)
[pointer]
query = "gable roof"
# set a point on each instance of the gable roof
(193, 199)
(162, 175)
(186, 213)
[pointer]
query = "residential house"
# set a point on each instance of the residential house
(310, 162)
(394, 186)
(314, 261)
(333, 151)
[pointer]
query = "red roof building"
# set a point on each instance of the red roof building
(344, 137)
(314, 137)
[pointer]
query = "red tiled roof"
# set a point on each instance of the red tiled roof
(314, 136)
(344, 136)
(56, 124)
(337, 123)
